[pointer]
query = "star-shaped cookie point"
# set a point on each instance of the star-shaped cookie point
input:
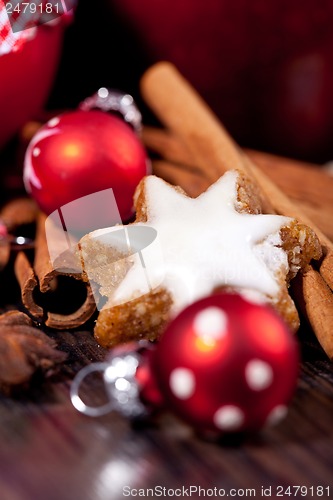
(202, 244)
(206, 243)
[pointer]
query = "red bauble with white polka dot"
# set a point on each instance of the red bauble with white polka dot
(224, 364)
(227, 364)
(83, 152)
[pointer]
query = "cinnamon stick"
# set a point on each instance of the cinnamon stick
(4, 255)
(169, 147)
(15, 213)
(316, 184)
(184, 113)
(191, 182)
(28, 283)
(187, 117)
(180, 108)
(18, 212)
(313, 295)
(41, 279)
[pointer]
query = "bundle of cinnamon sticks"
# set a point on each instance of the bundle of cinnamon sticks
(195, 150)
(40, 283)
(40, 280)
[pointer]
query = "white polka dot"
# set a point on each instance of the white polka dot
(229, 418)
(182, 383)
(35, 152)
(258, 374)
(276, 415)
(210, 323)
(54, 121)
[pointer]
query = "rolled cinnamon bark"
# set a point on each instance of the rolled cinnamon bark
(315, 301)
(15, 213)
(169, 146)
(4, 255)
(186, 115)
(44, 289)
(192, 183)
(18, 212)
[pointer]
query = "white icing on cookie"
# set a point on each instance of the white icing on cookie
(205, 243)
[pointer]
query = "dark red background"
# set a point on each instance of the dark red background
(266, 67)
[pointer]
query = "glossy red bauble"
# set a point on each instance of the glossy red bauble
(26, 78)
(80, 153)
(226, 364)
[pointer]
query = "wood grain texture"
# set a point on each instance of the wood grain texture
(49, 451)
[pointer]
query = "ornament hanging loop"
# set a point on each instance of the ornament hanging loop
(120, 383)
(78, 403)
(112, 100)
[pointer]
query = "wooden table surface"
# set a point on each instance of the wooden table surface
(49, 451)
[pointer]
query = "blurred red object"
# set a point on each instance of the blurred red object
(26, 78)
(265, 67)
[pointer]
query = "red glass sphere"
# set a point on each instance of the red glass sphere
(80, 153)
(26, 78)
(226, 364)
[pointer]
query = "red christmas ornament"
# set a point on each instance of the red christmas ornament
(27, 75)
(83, 152)
(226, 364)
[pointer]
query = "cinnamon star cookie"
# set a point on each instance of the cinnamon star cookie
(219, 240)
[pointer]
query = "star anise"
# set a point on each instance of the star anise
(24, 349)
